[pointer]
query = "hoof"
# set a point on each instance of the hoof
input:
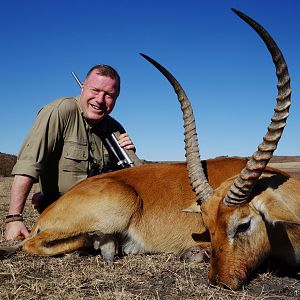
(195, 254)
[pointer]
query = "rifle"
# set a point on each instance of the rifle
(113, 145)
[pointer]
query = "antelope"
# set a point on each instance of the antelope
(256, 214)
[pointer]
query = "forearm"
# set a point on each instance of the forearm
(19, 192)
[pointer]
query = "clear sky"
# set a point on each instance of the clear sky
(220, 61)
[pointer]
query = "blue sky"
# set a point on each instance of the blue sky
(220, 61)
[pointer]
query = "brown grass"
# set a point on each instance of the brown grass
(83, 275)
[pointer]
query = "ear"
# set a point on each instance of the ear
(194, 208)
(279, 209)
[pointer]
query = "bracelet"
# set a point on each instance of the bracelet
(13, 218)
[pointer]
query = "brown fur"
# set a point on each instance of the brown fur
(141, 206)
(242, 237)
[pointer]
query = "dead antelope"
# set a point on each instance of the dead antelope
(256, 215)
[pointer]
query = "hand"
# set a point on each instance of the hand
(16, 231)
(125, 142)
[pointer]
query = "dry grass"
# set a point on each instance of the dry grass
(82, 275)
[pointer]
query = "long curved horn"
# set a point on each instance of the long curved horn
(196, 174)
(244, 183)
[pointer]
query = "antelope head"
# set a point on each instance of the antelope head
(235, 213)
(238, 213)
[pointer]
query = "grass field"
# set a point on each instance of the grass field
(82, 275)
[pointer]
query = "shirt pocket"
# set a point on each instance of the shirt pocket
(75, 157)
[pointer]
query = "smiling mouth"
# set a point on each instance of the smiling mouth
(98, 108)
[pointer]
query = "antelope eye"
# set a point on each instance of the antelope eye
(243, 227)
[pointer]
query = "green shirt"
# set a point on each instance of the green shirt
(60, 147)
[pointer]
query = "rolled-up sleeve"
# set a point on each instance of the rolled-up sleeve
(41, 142)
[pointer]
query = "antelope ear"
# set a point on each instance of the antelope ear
(285, 211)
(194, 208)
(282, 216)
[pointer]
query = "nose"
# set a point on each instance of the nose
(100, 97)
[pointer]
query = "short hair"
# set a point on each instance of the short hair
(108, 71)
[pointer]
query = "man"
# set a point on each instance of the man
(65, 143)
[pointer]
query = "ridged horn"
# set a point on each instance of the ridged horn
(244, 183)
(196, 174)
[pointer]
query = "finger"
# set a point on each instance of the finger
(24, 233)
(125, 142)
(130, 147)
(123, 135)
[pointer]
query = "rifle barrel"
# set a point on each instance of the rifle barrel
(76, 78)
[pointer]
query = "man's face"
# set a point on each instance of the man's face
(98, 96)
